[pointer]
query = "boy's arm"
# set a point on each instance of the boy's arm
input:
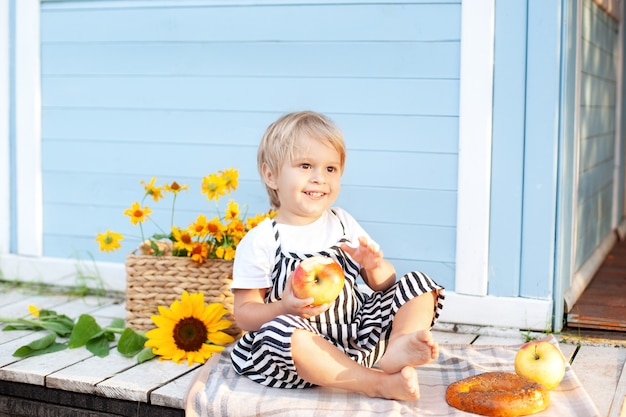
(251, 311)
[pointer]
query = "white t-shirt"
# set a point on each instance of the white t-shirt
(255, 258)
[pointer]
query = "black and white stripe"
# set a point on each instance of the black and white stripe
(357, 324)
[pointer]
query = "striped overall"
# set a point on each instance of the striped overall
(358, 324)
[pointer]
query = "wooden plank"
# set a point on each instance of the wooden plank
(33, 370)
(277, 23)
(8, 347)
(451, 338)
(403, 133)
(341, 59)
(19, 307)
(618, 405)
(602, 304)
(598, 368)
(172, 394)
(83, 376)
(432, 97)
(49, 402)
(137, 383)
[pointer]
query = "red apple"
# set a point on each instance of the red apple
(318, 277)
(541, 362)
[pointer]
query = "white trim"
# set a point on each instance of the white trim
(506, 312)
(475, 134)
(5, 174)
(63, 272)
(619, 150)
(28, 128)
(576, 145)
(584, 275)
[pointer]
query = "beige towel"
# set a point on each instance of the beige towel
(218, 391)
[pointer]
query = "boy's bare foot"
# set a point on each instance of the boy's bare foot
(400, 386)
(411, 349)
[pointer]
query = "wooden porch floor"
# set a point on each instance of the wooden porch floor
(73, 382)
(603, 303)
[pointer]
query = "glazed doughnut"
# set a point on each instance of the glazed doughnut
(498, 394)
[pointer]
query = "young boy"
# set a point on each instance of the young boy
(292, 344)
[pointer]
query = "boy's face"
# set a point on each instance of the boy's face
(308, 184)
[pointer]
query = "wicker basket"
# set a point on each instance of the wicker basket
(153, 281)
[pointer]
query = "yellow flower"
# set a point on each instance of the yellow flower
(109, 241)
(227, 253)
(138, 214)
(34, 311)
(216, 229)
(232, 211)
(236, 230)
(214, 186)
(155, 192)
(219, 236)
(252, 222)
(182, 240)
(175, 187)
(199, 252)
(183, 330)
(199, 227)
(231, 178)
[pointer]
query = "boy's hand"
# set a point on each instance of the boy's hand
(366, 253)
(300, 306)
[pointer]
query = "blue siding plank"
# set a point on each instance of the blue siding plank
(234, 59)
(418, 207)
(404, 170)
(507, 170)
(412, 133)
(540, 165)
(366, 22)
(379, 96)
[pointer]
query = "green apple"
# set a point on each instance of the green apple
(541, 362)
(318, 277)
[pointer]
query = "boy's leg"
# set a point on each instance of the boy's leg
(321, 363)
(411, 343)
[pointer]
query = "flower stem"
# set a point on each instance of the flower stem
(20, 321)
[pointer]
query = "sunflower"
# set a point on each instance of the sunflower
(189, 329)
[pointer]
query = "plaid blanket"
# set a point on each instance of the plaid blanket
(218, 391)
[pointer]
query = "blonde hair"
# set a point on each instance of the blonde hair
(279, 142)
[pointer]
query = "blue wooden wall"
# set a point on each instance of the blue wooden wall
(526, 113)
(181, 89)
(599, 54)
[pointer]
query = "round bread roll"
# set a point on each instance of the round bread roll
(498, 394)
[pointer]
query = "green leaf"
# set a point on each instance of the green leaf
(59, 326)
(131, 342)
(43, 314)
(26, 352)
(99, 345)
(109, 335)
(20, 327)
(118, 323)
(145, 355)
(84, 329)
(39, 346)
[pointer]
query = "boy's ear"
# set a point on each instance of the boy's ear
(268, 177)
